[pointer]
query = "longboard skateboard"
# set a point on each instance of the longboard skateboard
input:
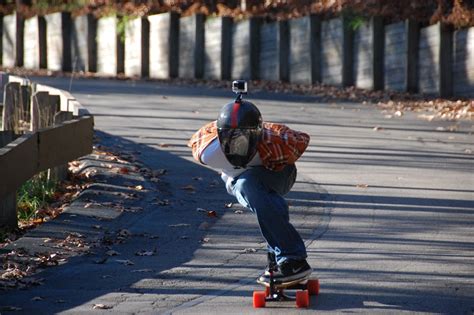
(275, 291)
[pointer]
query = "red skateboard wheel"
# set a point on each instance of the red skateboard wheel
(302, 298)
(313, 287)
(259, 299)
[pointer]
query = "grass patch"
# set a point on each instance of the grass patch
(34, 195)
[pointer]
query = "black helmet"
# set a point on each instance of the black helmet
(239, 127)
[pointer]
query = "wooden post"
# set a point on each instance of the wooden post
(226, 48)
(413, 39)
(20, 27)
(120, 42)
(446, 61)
(145, 62)
(347, 53)
(199, 47)
(254, 48)
(43, 49)
(378, 44)
(315, 48)
(284, 51)
(92, 43)
(66, 26)
(11, 100)
(173, 61)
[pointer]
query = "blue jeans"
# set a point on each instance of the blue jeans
(262, 190)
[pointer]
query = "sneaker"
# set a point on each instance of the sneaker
(289, 270)
(271, 265)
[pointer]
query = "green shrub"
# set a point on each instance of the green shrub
(34, 195)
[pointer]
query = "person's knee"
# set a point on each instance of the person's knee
(247, 184)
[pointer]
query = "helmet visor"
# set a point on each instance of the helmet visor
(239, 145)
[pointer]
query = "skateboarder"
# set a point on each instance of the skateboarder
(257, 163)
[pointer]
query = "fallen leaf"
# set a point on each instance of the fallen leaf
(362, 185)
(249, 250)
(189, 188)
(101, 307)
(377, 128)
(179, 225)
(143, 270)
(10, 308)
(145, 252)
(212, 214)
(125, 262)
(139, 187)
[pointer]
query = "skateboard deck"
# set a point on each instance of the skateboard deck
(275, 291)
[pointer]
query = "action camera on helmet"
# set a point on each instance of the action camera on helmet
(239, 86)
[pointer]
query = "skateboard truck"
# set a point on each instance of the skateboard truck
(275, 291)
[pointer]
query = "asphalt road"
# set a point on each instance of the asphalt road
(385, 205)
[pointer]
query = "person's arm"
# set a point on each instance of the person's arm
(282, 146)
(201, 139)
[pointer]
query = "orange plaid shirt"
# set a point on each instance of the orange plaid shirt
(278, 147)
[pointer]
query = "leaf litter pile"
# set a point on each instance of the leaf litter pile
(19, 266)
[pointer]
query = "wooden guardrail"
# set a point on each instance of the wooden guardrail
(42, 128)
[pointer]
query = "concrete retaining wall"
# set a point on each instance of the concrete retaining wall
(213, 48)
(107, 46)
(269, 52)
(9, 40)
(241, 50)
(136, 47)
(332, 51)
(428, 60)
(363, 56)
(31, 43)
(58, 41)
(164, 45)
(463, 67)
(83, 43)
(191, 46)
(395, 60)
(300, 52)
(400, 57)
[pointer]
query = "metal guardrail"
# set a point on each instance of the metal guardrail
(66, 135)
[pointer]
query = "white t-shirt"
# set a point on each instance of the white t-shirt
(215, 158)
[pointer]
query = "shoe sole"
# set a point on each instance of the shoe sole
(280, 284)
